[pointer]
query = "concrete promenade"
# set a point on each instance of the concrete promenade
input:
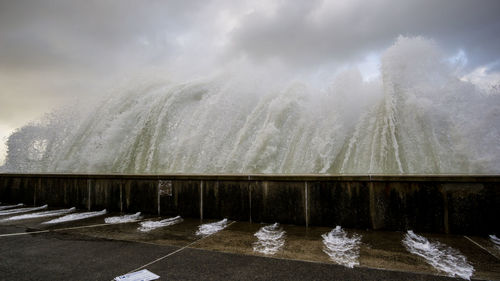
(92, 250)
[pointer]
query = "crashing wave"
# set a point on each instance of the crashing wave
(419, 117)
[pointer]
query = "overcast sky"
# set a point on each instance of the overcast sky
(53, 51)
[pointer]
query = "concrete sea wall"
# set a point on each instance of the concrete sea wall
(445, 204)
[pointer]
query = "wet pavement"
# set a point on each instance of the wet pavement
(90, 249)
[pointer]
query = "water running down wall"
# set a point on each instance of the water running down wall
(446, 204)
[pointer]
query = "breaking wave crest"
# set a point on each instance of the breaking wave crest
(271, 239)
(440, 256)
(340, 248)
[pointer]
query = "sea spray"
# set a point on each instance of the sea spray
(211, 228)
(123, 219)
(271, 239)
(340, 248)
(76, 217)
(147, 226)
(440, 256)
(419, 117)
(44, 214)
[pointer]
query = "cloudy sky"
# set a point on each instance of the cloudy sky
(55, 51)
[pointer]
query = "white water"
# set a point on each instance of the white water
(440, 256)
(122, 219)
(496, 241)
(22, 210)
(11, 206)
(340, 248)
(52, 213)
(75, 217)
(271, 239)
(147, 226)
(211, 228)
(419, 117)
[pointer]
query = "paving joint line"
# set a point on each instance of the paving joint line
(66, 228)
(23, 233)
(477, 244)
(176, 251)
(94, 225)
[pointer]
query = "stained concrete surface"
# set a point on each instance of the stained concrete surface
(92, 250)
(458, 204)
(209, 265)
(59, 256)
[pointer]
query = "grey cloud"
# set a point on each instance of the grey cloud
(84, 34)
(295, 35)
(107, 35)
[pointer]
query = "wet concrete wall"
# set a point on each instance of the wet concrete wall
(445, 204)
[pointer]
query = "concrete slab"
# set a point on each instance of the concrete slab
(196, 264)
(92, 250)
(57, 256)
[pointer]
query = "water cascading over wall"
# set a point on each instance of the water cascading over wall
(419, 117)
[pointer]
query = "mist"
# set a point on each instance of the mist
(326, 66)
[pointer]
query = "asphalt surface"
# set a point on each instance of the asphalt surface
(91, 250)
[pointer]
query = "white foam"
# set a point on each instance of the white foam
(11, 206)
(340, 248)
(122, 219)
(78, 216)
(495, 240)
(211, 228)
(41, 214)
(271, 239)
(22, 210)
(151, 225)
(440, 256)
